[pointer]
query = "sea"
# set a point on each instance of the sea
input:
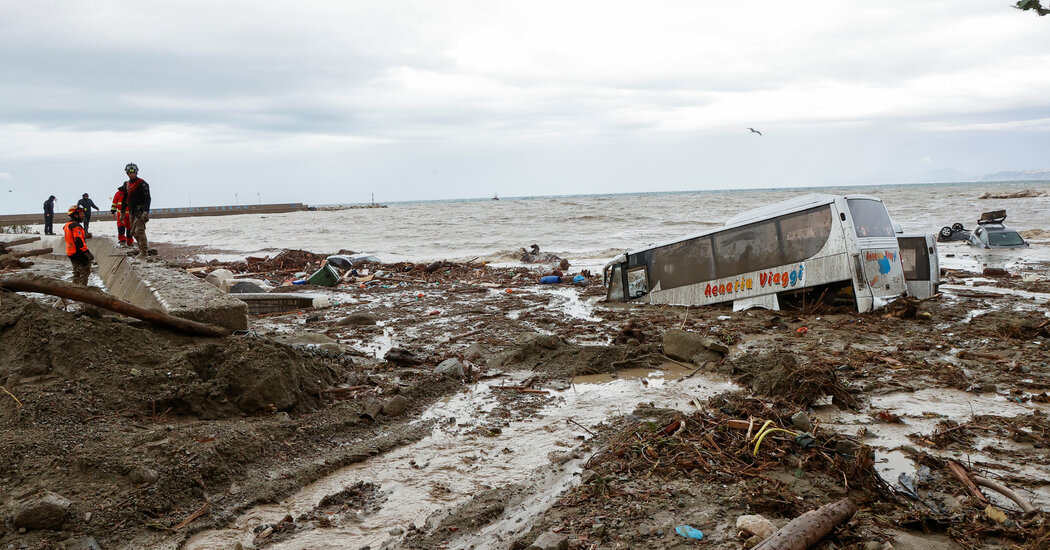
(587, 230)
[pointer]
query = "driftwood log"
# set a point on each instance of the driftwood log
(1005, 491)
(12, 258)
(16, 242)
(95, 297)
(807, 529)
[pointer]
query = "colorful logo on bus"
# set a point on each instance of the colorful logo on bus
(884, 258)
(767, 279)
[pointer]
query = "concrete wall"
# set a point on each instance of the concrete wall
(155, 213)
(152, 285)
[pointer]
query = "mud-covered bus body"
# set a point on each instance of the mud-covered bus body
(845, 244)
(922, 269)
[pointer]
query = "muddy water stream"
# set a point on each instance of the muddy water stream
(475, 446)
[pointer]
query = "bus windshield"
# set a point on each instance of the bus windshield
(870, 218)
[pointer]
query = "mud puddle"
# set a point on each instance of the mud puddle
(484, 438)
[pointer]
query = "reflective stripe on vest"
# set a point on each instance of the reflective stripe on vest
(118, 200)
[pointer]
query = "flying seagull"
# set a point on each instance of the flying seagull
(755, 131)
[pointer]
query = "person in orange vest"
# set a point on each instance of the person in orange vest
(123, 217)
(76, 245)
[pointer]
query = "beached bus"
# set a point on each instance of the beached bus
(813, 246)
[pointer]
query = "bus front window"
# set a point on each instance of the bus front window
(870, 218)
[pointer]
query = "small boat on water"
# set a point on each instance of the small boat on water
(495, 196)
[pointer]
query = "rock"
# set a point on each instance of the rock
(370, 407)
(450, 367)
(801, 421)
(402, 356)
(360, 318)
(245, 286)
(846, 447)
(715, 345)
(588, 476)
(310, 340)
(141, 474)
(220, 278)
(688, 346)
(45, 510)
(995, 272)
(755, 525)
(598, 530)
(395, 406)
(550, 541)
(506, 357)
(476, 352)
(872, 545)
(535, 339)
(86, 543)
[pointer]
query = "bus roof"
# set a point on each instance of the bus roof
(788, 206)
(765, 212)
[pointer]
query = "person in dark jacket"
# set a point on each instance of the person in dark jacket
(76, 247)
(87, 204)
(136, 203)
(49, 216)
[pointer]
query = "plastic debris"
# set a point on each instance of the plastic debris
(689, 532)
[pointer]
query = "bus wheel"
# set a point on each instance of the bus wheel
(946, 232)
(957, 226)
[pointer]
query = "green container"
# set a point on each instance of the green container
(326, 276)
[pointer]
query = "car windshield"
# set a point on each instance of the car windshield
(1006, 237)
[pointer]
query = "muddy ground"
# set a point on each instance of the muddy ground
(119, 434)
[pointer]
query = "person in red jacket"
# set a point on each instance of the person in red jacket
(76, 245)
(122, 217)
(136, 203)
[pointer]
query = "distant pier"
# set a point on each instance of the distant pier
(180, 212)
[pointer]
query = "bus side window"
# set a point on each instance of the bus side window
(637, 284)
(748, 248)
(803, 234)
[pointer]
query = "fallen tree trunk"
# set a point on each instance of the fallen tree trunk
(34, 252)
(95, 297)
(16, 242)
(805, 530)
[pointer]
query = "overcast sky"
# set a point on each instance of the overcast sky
(330, 102)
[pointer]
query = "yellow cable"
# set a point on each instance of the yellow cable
(762, 429)
(767, 432)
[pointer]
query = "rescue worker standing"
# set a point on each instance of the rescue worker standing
(76, 246)
(49, 215)
(136, 204)
(87, 204)
(122, 217)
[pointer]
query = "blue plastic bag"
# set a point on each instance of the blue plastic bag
(550, 280)
(689, 532)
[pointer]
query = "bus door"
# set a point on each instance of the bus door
(921, 267)
(877, 260)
